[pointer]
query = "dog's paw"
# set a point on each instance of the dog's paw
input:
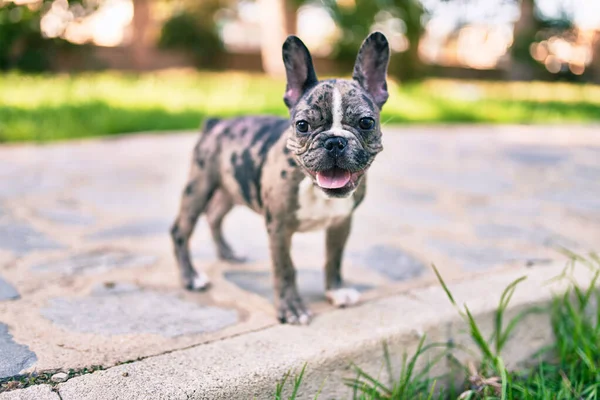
(291, 310)
(343, 297)
(198, 282)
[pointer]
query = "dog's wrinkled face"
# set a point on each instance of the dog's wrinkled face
(335, 123)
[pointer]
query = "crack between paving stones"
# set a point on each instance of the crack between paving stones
(56, 390)
(82, 372)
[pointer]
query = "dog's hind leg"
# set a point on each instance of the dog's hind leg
(197, 194)
(218, 207)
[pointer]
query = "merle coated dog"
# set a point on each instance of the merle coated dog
(304, 173)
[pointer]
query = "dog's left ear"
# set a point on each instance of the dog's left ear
(299, 70)
(370, 69)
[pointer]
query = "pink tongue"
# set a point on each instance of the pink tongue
(334, 178)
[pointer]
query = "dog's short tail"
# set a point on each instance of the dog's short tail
(209, 123)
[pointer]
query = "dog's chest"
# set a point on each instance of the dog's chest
(316, 211)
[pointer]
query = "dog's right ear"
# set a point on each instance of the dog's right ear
(299, 70)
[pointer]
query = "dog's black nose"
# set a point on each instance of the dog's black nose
(335, 146)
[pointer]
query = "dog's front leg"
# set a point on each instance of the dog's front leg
(336, 238)
(289, 304)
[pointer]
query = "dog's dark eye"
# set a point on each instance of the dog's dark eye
(366, 123)
(302, 126)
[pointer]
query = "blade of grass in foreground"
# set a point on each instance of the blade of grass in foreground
(444, 286)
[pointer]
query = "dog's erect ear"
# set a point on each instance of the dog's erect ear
(298, 69)
(370, 69)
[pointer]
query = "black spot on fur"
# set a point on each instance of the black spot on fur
(368, 101)
(210, 123)
(283, 174)
(268, 216)
(174, 230)
(362, 157)
(248, 170)
(286, 150)
(261, 133)
(275, 133)
(291, 162)
(201, 162)
(189, 189)
(243, 132)
(257, 176)
(268, 143)
(244, 175)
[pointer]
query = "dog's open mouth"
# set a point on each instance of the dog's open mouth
(334, 178)
(337, 181)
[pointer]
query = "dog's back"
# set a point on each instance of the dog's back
(236, 150)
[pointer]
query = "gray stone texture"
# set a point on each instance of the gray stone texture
(477, 257)
(311, 284)
(584, 200)
(536, 235)
(129, 310)
(478, 182)
(537, 155)
(38, 392)
(136, 229)
(66, 216)
(96, 261)
(7, 291)
(14, 357)
(21, 238)
(391, 262)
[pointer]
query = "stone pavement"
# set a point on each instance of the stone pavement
(87, 275)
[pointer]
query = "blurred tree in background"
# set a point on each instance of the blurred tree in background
(22, 44)
(356, 19)
(531, 27)
(192, 27)
(195, 27)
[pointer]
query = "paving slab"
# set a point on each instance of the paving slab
(95, 261)
(39, 392)
(7, 291)
(14, 357)
(21, 238)
(138, 312)
(87, 274)
(392, 262)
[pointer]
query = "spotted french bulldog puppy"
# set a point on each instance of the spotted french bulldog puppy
(304, 173)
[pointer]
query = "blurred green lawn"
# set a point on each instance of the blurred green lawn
(53, 107)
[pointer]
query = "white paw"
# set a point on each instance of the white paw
(304, 319)
(343, 297)
(200, 282)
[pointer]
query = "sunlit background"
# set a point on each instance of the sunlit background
(103, 59)
(561, 33)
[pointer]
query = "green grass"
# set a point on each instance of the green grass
(54, 107)
(568, 369)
